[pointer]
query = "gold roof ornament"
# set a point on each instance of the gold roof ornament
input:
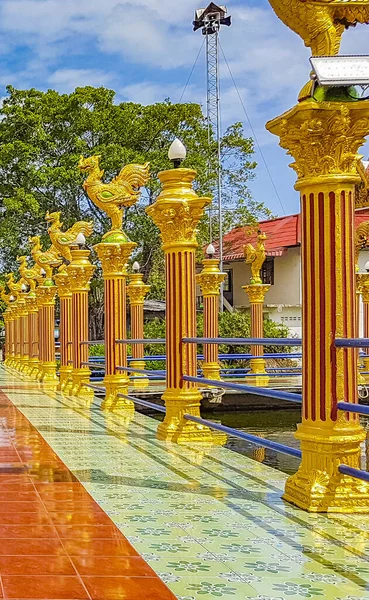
(122, 191)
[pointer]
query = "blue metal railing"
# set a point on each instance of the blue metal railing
(352, 343)
(357, 473)
(354, 408)
(245, 341)
(247, 388)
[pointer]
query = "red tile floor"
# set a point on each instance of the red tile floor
(55, 540)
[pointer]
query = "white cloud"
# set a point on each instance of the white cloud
(66, 80)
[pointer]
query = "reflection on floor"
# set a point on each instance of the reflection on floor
(211, 524)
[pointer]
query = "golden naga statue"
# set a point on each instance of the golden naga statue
(45, 260)
(62, 240)
(30, 276)
(255, 257)
(321, 23)
(122, 191)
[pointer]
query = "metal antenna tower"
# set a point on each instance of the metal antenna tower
(210, 20)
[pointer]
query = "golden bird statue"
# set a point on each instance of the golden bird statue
(255, 257)
(14, 286)
(122, 191)
(321, 23)
(62, 240)
(45, 260)
(4, 296)
(361, 240)
(30, 275)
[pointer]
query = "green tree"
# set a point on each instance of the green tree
(43, 134)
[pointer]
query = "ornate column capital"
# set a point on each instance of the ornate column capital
(31, 303)
(364, 285)
(45, 295)
(178, 209)
(114, 257)
(323, 138)
(256, 292)
(210, 278)
(80, 270)
(137, 289)
(63, 283)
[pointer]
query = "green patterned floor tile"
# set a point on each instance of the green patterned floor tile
(209, 588)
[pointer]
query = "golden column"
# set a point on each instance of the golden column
(33, 368)
(8, 318)
(63, 284)
(210, 280)
(177, 212)
(359, 291)
(114, 252)
(11, 326)
(365, 297)
(80, 271)
(46, 294)
(323, 138)
(136, 292)
(114, 257)
(256, 291)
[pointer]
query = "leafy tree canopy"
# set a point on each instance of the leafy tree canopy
(43, 134)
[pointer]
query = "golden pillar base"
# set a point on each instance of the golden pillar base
(211, 370)
(175, 428)
(143, 382)
(113, 385)
(261, 378)
(366, 368)
(34, 368)
(65, 377)
(318, 486)
(49, 376)
(16, 363)
(79, 377)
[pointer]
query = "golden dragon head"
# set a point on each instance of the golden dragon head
(35, 241)
(90, 163)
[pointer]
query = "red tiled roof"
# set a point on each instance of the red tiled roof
(282, 233)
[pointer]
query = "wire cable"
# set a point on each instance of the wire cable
(252, 130)
(191, 72)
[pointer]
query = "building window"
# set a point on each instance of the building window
(267, 272)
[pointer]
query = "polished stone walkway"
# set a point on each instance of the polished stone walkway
(211, 524)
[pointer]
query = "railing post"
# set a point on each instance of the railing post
(324, 138)
(177, 212)
(136, 292)
(80, 271)
(114, 253)
(210, 280)
(63, 283)
(256, 294)
(46, 294)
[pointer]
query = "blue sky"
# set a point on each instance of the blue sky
(145, 50)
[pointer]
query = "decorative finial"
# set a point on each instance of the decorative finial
(210, 251)
(136, 266)
(80, 239)
(177, 153)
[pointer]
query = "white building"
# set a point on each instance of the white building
(281, 268)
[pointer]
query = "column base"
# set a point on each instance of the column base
(77, 388)
(34, 368)
(176, 429)
(142, 382)
(211, 370)
(261, 378)
(49, 378)
(65, 374)
(113, 385)
(23, 364)
(16, 362)
(318, 486)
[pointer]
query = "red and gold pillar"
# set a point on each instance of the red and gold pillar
(210, 280)
(323, 138)
(17, 339)
(256, 294)
(11, 329)
(62, 280)
(7, 317)
(46, 302)
(177, 212)
(137, 291)
(114, 256)
(33, 369)
(80, 271)
(365, 297)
